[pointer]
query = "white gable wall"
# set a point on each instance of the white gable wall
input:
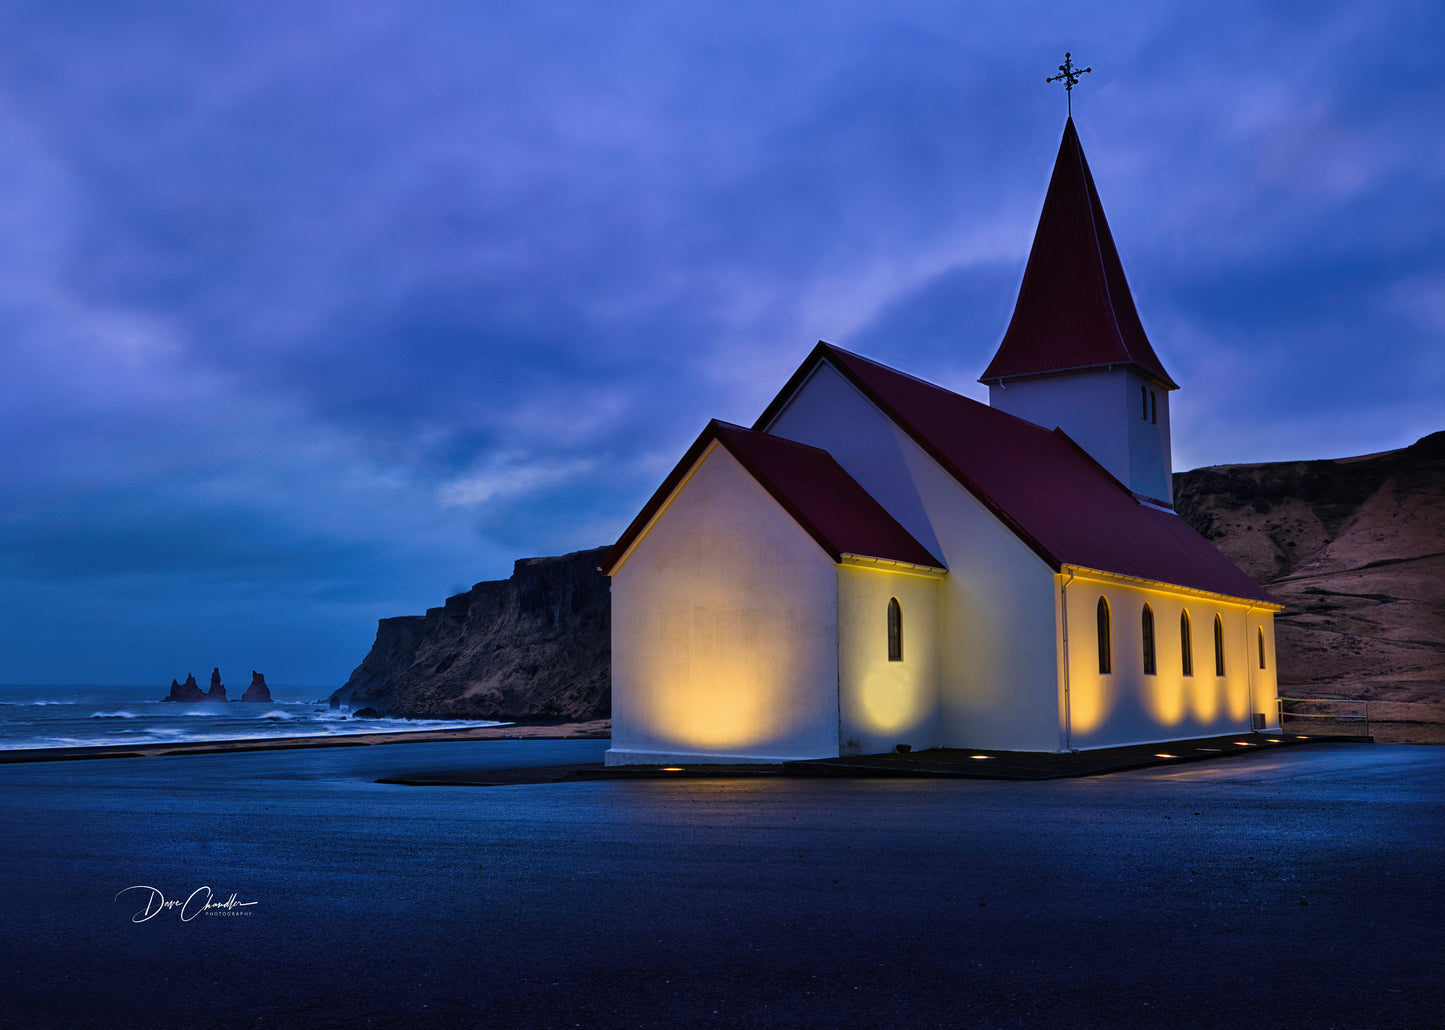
(724, 630)
(1128, 706)
(998, 666)
(882, 704)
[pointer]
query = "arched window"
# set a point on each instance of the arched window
(1261, 647)
(1144, 403)
(1106, 651)
(1186, 644)
(1148, 626)
(1218, 646)
(895, 631)
(1153, 407)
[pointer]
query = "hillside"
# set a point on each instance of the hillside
(1355, 549)
(534, 646)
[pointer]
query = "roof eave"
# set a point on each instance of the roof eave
(1265, 602)
(1103, 366)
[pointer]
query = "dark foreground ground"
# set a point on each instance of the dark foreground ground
(1294, 888)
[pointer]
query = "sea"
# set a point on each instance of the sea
(90, 714)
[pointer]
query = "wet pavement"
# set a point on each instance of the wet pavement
(1301, 887)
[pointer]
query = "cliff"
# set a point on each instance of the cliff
(1355, 549)
(532, 646)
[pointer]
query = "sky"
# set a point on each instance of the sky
(313, 314)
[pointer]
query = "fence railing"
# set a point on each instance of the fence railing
(1349, 716)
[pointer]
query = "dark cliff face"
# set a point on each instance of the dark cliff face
(536, 645)
(1355, 550)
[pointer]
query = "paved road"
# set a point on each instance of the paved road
(1293, 889)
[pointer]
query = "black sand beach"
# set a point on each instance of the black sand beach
(1298, 888)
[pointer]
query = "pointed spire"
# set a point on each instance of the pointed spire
(1074, 310)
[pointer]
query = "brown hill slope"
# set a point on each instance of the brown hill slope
(1355, 548)
(534, 646)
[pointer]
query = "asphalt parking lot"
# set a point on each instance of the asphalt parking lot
(1295, 888)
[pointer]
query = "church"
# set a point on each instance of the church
(879, 561)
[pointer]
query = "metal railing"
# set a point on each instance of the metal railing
(1334, 716)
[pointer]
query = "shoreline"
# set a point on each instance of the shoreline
(595, 729)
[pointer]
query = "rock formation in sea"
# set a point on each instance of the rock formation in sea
(535, 646)
(217, 691)
(1355, 550)
(257, 691)
(190, 690)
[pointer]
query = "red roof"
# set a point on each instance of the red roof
(1039, 483)
(1074, 309)
(811, 487)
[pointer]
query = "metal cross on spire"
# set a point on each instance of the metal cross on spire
(1069, 75)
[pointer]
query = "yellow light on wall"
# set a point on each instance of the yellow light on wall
(1204, 698)
(889, 701)
(724, 702)
(1165, 697)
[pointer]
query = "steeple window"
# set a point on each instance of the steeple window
(1144, 402)
(1261, 647)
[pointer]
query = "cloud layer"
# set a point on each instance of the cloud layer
(313, 313)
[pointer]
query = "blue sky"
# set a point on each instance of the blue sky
(316, 313)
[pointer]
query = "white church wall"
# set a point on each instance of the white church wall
(1104, 412)
(724, 630)
(998, 670)
(884, 703)
(1127, 705)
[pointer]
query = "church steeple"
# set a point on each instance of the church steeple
(1075, 354)
(1074, 308)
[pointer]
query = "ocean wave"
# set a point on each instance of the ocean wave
(122, 714)
(204, 713)
(279, 716)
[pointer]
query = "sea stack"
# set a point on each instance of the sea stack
(217, 691)
(190, 690)
(257, 691)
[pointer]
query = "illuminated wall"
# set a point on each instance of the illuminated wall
(998, 666)
(1126, 705)
(724, 630)
(883, 703)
